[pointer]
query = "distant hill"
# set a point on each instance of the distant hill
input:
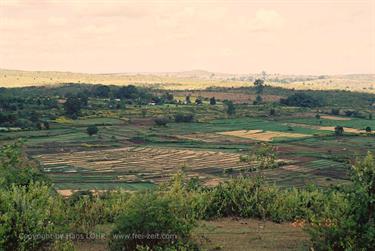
(195, 79)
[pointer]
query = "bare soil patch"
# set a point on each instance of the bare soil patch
(65, 192)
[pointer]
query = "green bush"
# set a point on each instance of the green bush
(161, 121)
(304, 203)
(92, 129)
(86, 213)
(243, 197)
(253, 197)
(350, 226)
(87, 210)
(153, 220)
(16, 169)
(28, 215)
(180, 118)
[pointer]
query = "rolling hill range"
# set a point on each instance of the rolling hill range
(196, 79)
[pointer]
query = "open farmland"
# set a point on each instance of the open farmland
(133, 165)
(132, 153)
(141, 142)
(203, 150)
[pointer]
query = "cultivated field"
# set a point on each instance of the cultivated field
(209, 151)
(133, 166)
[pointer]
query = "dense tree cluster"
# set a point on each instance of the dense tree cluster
(301, 100)
(18, 105)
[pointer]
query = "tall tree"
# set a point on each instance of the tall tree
(231, 109)
(72, 106)
(212, 101)
(259, 87)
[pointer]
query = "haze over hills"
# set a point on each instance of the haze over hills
(194, 79)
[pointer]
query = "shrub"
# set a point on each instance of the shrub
(27, 216)
(198, 101)
(335, 111)
(241, 197)
(258, 100)
(85, 213)
(350, 227)
(161, 121)
(92, 129)
(183, 118)
(339, 130)
(230, 107)
(16, 169)
(152, 220)
(212, 101)
(263, 156)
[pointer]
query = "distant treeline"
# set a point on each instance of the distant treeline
(330, 98)
(129, 92)
(33, 107)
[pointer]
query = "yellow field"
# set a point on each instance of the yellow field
(178, 81)
(327, 128)
(346, 129)
(335, 118)
(262, 135)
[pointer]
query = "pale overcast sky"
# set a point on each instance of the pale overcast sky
(235, 36)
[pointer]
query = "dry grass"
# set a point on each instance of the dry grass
(263, 135)
(335, 118)
(178, 81)
(249, 234)
(327, 128)
(346, 129)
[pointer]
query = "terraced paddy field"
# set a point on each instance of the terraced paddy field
(134, 168)
(319, 172)
(121, 167)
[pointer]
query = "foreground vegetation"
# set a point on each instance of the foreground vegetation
(32, 214)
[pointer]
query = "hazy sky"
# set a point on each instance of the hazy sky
(237, 36)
